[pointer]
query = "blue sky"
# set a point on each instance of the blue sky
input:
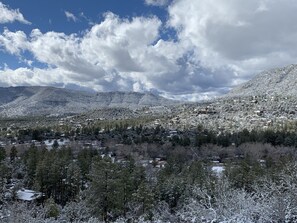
(48, 16)
(181, 49)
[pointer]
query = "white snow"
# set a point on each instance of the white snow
(218, 170)
(62, 142)
(28, 195)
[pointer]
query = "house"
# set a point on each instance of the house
(28, 195)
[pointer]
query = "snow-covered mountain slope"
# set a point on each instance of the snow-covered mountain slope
(279, 81)
(23, 101)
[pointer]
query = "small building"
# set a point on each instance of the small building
(28, 195)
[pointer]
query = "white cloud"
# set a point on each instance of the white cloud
(219, 44)
(90, 22)
(117, 54)
(14, 42)
(8, 15)
(70, 16)
(156, 2)
(26, 76)
(244, 37)
(112, 55)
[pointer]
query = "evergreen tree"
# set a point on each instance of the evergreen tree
(84, 159)
(4, 175)
(105, 190)
(55, 144)
(171, 189)
(2, 154)
(144, 197)
(71, 182)
(31, 159)
(13, 153)
(52, 209)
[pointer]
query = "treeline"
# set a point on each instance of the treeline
(270, 136)
(137, 134)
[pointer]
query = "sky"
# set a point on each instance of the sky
(180, 49)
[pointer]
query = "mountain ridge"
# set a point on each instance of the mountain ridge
(38, 100)
(278, 81)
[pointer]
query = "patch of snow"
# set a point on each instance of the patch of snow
(28, 195)
(218, 170)
(62, 142)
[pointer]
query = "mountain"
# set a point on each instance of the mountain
(279, 81)
(268, 101)
(27, 101)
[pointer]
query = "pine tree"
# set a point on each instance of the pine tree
(144, 197)
(4, 174)
(72, 182)
(13, 153)
(104, 191)
(55, 144)
(2, 154)
(52, 209)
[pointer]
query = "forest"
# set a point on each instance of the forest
(258, 182)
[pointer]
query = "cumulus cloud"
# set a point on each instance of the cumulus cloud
(116, 54)
(13, 42)
(70, 16)
(245, 37)
(8, 15)
(156, 2)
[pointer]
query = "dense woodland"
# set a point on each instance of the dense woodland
(258, 184)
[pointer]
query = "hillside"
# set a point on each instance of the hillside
(268, 101)
(278, 81)
(24, 101)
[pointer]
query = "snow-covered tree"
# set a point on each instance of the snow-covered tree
(223, 204)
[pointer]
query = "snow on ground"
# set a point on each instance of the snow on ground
(218, 170)
(28, 195)
(61, 142)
